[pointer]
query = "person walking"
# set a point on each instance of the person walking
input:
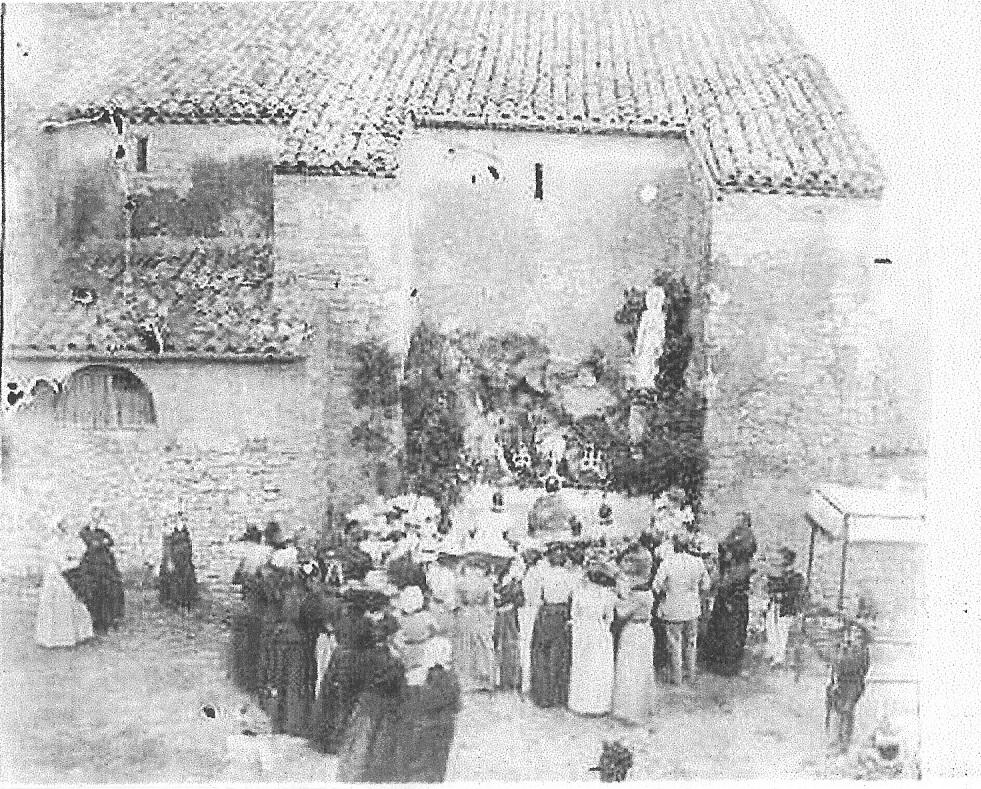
(682, 579)
(591, 672)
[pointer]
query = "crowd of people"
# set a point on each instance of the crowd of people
(366, 643)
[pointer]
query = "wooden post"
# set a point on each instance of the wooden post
(844, 562)
(810, 554)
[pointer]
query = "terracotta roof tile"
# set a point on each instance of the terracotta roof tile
(205, 296)
(347, 80)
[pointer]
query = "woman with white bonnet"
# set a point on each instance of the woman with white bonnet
(62, 619)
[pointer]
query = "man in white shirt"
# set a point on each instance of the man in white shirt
(682, 579)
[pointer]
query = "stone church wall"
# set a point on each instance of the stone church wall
(809, 388)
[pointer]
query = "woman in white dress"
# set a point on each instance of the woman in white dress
(62, 619)
(591, 674)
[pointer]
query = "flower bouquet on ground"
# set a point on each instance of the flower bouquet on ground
(614, 763)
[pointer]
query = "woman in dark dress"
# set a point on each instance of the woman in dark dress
(726, 637)
(508, 598)
(368, 751)
(551, 640)
(353, 664)
(428, 718)
(245, 658)
(97, 580)
(292, 676)
(178, 580)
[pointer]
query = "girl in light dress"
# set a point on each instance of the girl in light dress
(591, 674)
(62, 619)
(633, 685)
(473, 653)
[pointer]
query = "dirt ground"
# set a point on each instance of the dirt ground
(126, 708)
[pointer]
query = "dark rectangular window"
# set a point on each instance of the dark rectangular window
(539, 181)
(141, 143)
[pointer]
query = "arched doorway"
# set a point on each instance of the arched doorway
(105, 397)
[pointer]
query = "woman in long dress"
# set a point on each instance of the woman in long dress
(97, 580)
(726, 637)
(531, 589)
(473, 652)
(62, 619)
(550, 642)
(507, 638)
(246, 640)
(591, 673)
(633, 685)
(353, 664)
(369, 750)
(428, 717)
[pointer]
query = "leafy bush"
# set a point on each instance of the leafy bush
(432, 416)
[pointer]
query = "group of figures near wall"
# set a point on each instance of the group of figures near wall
(367, 645)
(82, 591)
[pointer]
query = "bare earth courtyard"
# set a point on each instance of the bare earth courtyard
(127, 709)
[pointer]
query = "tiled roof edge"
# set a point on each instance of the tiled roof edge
(639, 131)
(26, 353)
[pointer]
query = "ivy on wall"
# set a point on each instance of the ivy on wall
(233, 198)
(433, 416)
(375, 389)
(509, 387)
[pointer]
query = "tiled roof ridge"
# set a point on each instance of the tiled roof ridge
(731, 75)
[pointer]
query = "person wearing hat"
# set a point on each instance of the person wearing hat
(508, 600)
(726, 635)
(416, 627)
(368, 752)
(62, 619)
(97, 580)
(246, 642)
(550, 642)
(180, 590)
(591, 671)
(785, 589)
(441, 580)
(633, 682)
(473, 651)
(359, 654)
(681, 579)
(430, 705)
(531, 592)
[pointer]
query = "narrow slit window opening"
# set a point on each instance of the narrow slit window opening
(539, 181)
(141, 153)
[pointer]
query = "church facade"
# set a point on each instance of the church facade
(644, 263)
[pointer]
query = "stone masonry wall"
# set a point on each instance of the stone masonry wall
(228, 446)
(337, 237)
(805, 381)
